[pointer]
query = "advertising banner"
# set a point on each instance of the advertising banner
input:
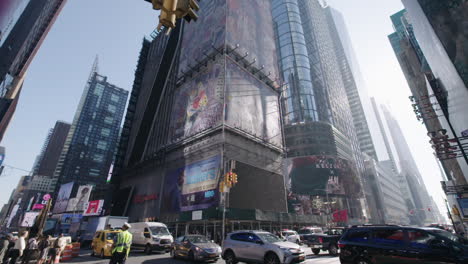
(62, 198)
(41, 201)
(198, 105)
(29, 219)
(463, 203)
(252, 106)
(255, 34)
(93, 208)
(192, 187)
(67, 219)
(202, 37)
(82, 197)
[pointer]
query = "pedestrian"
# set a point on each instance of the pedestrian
(122, 246)
(11, 244)
(4, 242)
(31, 250)
(18, 249)
(44, 246)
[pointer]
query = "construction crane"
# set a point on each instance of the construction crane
(171, 10)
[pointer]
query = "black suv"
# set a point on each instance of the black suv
(401, 245)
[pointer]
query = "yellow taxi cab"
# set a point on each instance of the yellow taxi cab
(103, 241)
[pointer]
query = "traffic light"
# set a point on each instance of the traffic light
(171, 10)
(234, 178)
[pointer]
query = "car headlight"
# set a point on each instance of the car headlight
(198, 249)
(155, 239)
(290, 250)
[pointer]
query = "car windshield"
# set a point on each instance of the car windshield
(111, 236)
(159, 230)
(268, 237)
(197, 239)
(288, 233)
(449, 236)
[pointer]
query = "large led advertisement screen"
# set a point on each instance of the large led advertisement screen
(197, 103)
(250, 25)
(63, 197)
(313, 179)
(193, 186)
(252, 106)
(202, 37)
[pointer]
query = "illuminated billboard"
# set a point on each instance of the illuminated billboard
(198, 105)
(63, 197)
(251, 106)
(192, 187)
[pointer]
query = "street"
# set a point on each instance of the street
(138, 257)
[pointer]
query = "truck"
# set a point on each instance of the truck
(101, 223)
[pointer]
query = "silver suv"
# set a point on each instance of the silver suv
(260, 246)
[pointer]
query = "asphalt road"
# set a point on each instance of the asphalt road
(141, 258)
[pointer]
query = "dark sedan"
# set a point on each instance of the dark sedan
(195, 248)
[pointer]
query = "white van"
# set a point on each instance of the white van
(151, 236)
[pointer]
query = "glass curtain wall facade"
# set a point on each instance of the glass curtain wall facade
(317, 116)
(92, 140)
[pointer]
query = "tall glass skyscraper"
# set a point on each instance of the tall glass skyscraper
(92, 140)
(318, 123)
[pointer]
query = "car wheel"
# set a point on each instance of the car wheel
(363, 261)
(271, 258)
(191, 256)
(230, 258)
(102, 254)
(148, 249)
(333, 250)
(316, 251)
(92, 252)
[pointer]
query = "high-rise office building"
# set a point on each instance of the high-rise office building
(205, 100)
(18, 47)
(318, 123)
(344, 52)
(91, 143)
(50, 153)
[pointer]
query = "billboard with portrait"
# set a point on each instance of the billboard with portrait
(251, 105)
(29, 219)
(197, 103)
(82, 197)
(192, 187)
(63, 197)
(250, 25)
(202, 37)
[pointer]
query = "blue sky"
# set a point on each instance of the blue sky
(114, 30)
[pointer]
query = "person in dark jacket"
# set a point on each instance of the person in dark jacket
(4, 243)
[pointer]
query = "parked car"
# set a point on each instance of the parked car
(151, 236)
(103, 241)
(291, 236)
(195, 248)
(309, 230)
(260, 247)
(322, 242)
(400, 244)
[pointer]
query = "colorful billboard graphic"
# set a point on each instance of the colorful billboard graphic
(198, 105)
(202, 37)
(62, 198)
(252, 106)
(67, 219)
(93, 208)
(192, 187)
(29, 219)
(250, 25)
(41, 201)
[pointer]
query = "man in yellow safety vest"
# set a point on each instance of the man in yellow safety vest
(122, 246)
